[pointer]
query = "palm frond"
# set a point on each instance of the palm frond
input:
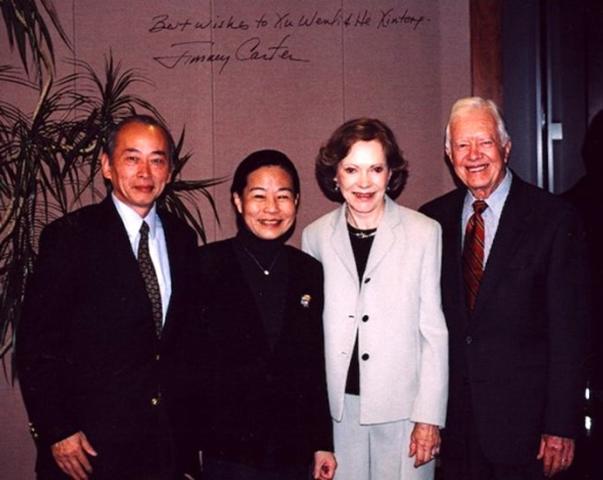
(26, 29)
(50, 159)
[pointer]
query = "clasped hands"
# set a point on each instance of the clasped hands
(424, 443)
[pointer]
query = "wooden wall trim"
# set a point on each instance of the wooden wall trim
(486, 49)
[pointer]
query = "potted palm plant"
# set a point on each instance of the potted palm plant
(49, 159)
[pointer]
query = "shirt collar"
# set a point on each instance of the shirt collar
(132, 221)
(496, 201)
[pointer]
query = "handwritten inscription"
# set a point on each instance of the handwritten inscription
(252, 49)
(255, 48)
(165, 23)
(199, 52)
(190, 53)
(316, 19)
(390, 19)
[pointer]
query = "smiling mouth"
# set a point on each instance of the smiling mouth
(364, 196)
(477, 169)
(270, 223)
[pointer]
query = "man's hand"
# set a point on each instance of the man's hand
(324, 465)
(424, 443)
(71, 455)
(556, 453)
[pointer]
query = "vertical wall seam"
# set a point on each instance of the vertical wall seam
(343, 105)
(213, 110)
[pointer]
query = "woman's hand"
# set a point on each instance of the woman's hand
(424, 443)
(324, 465)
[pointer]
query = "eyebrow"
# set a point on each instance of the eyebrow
(154, 152)
(353, 164)
(284, 189)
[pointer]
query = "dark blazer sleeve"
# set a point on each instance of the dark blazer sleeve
(315, 418)
(43, 361)
(321, 419)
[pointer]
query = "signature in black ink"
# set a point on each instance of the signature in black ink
(188, 56)
(390, 19)
(253, 49)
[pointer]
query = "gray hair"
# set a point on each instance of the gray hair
(469, 103)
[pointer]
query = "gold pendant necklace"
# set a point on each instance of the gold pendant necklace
(265, 271)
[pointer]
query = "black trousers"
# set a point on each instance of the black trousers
(216, 469)
(465, 459)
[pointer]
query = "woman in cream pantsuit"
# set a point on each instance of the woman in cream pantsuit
(386, 341)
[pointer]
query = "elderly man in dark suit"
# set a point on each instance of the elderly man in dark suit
(100, 337)
(514, 293)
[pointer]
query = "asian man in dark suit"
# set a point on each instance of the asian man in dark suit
(515, 297)
(98, 346)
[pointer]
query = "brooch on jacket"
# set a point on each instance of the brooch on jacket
(305, 300)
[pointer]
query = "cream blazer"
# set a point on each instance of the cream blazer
(402, 335)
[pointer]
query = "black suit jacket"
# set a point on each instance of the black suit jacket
(87, 353)
(521, 351)
(260, 396)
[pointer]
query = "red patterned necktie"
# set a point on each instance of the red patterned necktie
(150, 277)
(473, 253)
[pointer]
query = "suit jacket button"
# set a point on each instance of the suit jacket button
(155, 401)
(157, 357)
(365, 356)
(365, 318)
(366, 280)
(468, 339)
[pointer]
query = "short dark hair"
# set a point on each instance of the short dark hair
(109, 147)
(259, 159)
(339, 145)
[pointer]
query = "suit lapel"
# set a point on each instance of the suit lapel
(340, 241)
(384, 238)
(513, 221)
(241, 291)
(175, 264)
(292, 298)
(118, 242)
(452, 267)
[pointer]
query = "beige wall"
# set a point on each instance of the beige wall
(407, 73)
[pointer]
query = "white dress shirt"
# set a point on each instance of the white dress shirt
(157, 246)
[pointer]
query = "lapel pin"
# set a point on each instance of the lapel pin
(305, 300)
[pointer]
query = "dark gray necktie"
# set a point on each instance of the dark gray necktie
(150, 277)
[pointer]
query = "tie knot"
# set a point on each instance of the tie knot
(144, 229)
(479, 206)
